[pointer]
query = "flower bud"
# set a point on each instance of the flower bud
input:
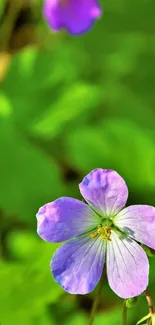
(131, 302)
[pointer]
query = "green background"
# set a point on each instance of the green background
(68, 105)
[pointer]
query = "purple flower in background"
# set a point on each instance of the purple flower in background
(101, 232)
(77, 16)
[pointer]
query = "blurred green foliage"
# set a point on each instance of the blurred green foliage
(67, 106)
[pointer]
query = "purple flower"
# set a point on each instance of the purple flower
(102, 232)
(77, 16)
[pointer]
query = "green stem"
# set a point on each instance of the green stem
(96, 301)
(124, 314)
(9, 22)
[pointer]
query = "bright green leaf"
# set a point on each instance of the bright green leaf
(27, 285)
(2, 4)
(75, 101)
(32, 70)
(77, 319)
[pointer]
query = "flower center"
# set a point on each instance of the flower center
(103, 231)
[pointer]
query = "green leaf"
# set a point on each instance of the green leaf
(116, 144)
(122, 102)
(123, 61)
(5, 106)
(27, 285)
(32, 70)
(29, 178)
(23, 245)
(77, 319)
(2, 4)
(112, 317)
(74, 101)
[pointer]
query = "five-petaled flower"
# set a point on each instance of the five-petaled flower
(102, 231)
(76, 16)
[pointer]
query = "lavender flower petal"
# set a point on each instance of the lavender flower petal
(65, 218)
(139, 222)
(127, 267)
(77, 16)
(105, 190)
(77, 265)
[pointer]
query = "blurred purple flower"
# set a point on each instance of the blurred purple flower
(77, 16)
(102, 233)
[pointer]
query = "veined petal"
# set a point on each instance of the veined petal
(65, 218)
(139, 222)
(127, 267)
(78, 264)
(76, 16)
(105, 190)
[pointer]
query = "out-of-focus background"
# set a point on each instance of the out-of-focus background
(68, 105)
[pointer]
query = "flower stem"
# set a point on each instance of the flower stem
(96, 301)
(149, 301)
(150, 304)
(9, 22)
(124, 314)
